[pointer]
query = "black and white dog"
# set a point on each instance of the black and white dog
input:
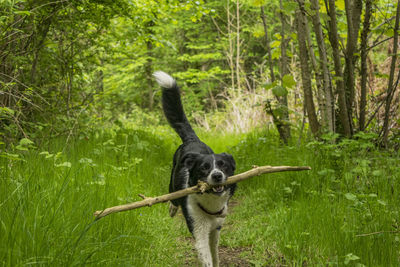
(194, 161)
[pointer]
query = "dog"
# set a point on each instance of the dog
(194, 161)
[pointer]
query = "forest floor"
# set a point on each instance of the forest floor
(345, 211)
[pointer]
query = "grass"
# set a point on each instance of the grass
(302, 218)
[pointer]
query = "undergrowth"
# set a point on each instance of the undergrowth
(345, 211)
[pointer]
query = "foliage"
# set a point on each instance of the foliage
(343, 212)
(48, 195)
(81, 128)
(67, 64)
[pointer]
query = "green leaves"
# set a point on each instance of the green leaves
(288, 81)
(289, 7)
(277, 90)
(25, 144)
(281, 90)
(6, 111)
(350, 196)
(66, 164)
(350, 257)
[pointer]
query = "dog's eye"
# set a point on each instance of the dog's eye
(205, 166)
(220, 163)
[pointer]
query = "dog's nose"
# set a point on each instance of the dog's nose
(217, 177)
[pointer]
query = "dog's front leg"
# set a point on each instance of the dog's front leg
(214, 241)
(202, 240)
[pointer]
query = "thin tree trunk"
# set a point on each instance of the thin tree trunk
(238, 44)
(364, 65)
(334, 40)
(149, 72)
(317, 74)
(391, 89)
(267, 45)
(38, 48)
(70, 75)
(301, 24)
(100, 83)
(353, 14)
(278, 121)
(284, 70)
(230, 53)
(323, 61)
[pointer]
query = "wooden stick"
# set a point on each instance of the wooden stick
(199, 188)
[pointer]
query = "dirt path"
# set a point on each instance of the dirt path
(229, 257)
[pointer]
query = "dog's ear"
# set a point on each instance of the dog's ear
(229, 158)
(189, 160)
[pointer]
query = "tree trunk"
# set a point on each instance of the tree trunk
(148, 68)
(301, 24)
(238, 45)
(317, 73)
(364, 66)
(284, 70)
(268, 47)
(38, 48)
(391, 89)
(334, 40)
(230, 53)
(353, 14)
(323, 61)
(279, 121)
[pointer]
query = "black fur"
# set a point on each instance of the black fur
(193, 160)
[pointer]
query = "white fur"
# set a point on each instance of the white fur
(205, 225)
(214, 241)
(215, 170)
(164, 80)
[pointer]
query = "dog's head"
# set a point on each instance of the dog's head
(211, 168)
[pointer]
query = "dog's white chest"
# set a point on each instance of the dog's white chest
(210, 202)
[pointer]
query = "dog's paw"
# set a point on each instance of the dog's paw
(172, 210)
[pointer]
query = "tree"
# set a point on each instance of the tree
(364, 66)
(353, 14)
(301, 25)
(334, 41)
(284, 123)
(328, 101)
(391, 88)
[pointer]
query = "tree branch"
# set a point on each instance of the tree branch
(199, 188)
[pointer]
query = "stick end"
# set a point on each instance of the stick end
(98, 214)
(202, 186)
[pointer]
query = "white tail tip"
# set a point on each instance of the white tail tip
(164, 80)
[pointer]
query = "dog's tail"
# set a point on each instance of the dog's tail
(172, 106)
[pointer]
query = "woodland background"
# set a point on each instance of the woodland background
(327, 66)
(272, 82)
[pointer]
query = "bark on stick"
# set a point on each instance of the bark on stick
(200, 188)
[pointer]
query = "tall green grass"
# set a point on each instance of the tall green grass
(46, 206)
(345, 211)
(47, 199)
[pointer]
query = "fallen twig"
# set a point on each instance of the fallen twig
(200, 188)
(377, 233)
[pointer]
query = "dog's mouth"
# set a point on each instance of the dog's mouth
(218, 189)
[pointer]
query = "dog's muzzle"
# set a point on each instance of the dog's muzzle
(218, 189)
